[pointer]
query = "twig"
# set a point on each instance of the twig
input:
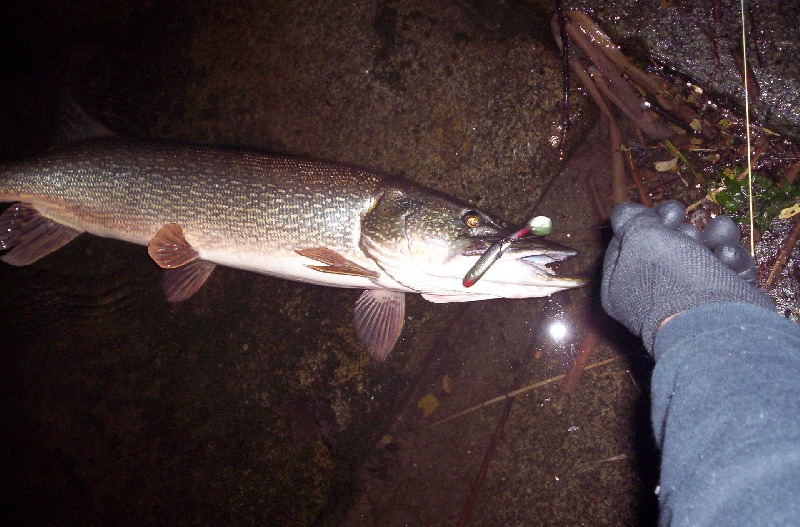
(641, 79)
(564, 45)
(608, 75)
(791, 173)
(619, 457)
(612, 52)
(747, 75)
(487, 459)
(581, 70)
(638, 181)
(747, 129)
(573, 376)
(492, 447)
(783, 254)
(502, 398)
(759, 151)
(619, 190)
(677, 153)
(602, 217)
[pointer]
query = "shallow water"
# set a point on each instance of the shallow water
(253, 402)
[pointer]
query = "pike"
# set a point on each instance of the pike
(196, 207)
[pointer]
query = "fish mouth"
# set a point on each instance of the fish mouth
(535, 248)
(535, 253)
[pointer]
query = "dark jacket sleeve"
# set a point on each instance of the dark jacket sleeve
(726, 414)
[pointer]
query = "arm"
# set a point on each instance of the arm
(726, 402)
(725, 390)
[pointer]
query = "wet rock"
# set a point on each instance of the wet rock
(702, 40)
(172, 414)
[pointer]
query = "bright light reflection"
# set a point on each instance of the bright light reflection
(557, 330)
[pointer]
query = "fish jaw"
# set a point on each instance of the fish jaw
(520, 275)
(521, 272)
(527, 266)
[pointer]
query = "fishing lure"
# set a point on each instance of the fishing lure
(539, 226)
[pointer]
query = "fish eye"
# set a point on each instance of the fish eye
(471, 219)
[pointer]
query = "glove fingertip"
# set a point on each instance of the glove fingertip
(624, 213)
(689, 230)
(672, 212)
(720, 231)
(748, 275)
(735, 257)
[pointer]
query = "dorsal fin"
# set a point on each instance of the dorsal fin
(74, 124)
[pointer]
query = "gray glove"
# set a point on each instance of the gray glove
(656, 266)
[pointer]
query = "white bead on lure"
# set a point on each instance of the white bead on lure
(539, 226)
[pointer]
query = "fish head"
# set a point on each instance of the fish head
(428, 242)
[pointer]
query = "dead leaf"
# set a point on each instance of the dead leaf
(788, 212)
(447, 384)
(428, 404)
(664, 166)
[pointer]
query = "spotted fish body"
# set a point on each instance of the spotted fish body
(237, 208)
(318, 222)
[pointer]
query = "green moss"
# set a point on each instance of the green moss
(732, 194)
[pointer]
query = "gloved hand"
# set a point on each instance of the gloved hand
(657, 266)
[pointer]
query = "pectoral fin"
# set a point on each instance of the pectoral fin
(335, 263)
(379, 317)
(169, 249)
(181, 283)
(30, 234)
